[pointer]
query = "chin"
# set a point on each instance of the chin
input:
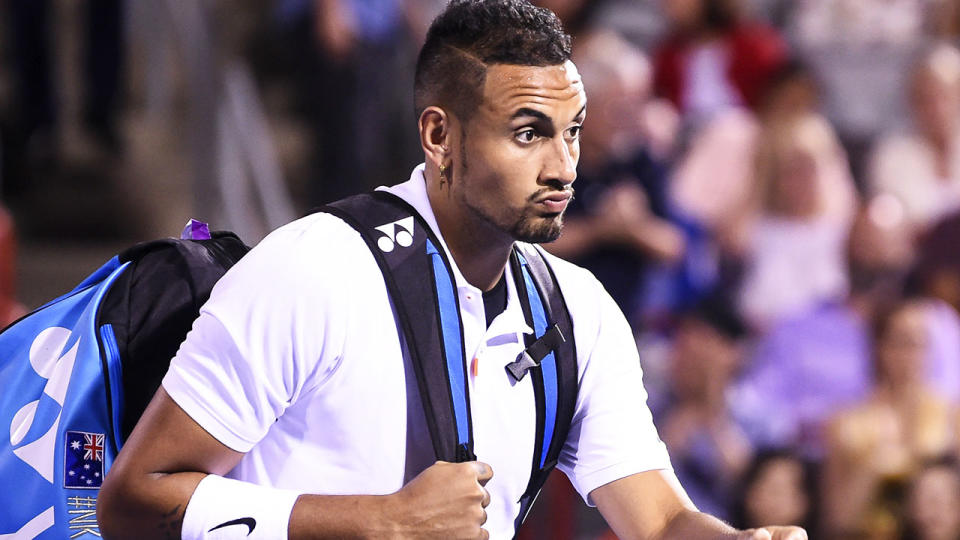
(543, 231)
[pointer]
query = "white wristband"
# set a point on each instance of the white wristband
(225, 508)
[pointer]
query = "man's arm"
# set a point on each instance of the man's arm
(146, 492)
(653, 505)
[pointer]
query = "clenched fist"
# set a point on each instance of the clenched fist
(447, 500)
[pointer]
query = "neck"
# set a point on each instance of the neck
(480, 252)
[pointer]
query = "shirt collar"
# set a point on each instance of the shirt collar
(414, 192)
(512, 317)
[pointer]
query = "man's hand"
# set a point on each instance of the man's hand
(774, 533)
(447, 500)
(623, 215)
(652, 504)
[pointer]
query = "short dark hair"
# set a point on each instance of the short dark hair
(471, 35)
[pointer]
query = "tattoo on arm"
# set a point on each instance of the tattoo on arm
(171, 523)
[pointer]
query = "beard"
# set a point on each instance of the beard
(537, 229)
(528, 226)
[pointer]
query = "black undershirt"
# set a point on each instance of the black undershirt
(495, 300)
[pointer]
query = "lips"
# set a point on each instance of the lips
(556, 201)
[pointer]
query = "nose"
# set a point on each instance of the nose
(562, 163)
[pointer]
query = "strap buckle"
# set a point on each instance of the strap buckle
(535, 353)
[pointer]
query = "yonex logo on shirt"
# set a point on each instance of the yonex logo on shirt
(398, 232)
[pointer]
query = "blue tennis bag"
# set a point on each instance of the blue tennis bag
(66, 367)
(76, 374)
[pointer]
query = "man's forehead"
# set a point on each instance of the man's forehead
(509, 86)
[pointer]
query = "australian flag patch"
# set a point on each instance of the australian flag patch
(83, 460)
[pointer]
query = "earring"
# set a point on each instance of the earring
(443, 172)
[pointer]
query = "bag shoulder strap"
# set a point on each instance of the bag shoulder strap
(428, 311)
(555, 378)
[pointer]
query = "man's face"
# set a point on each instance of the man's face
(515, 158)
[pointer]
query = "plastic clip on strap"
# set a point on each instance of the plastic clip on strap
(535, 353)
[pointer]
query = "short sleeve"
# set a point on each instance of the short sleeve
(268, 332)
(612, 435)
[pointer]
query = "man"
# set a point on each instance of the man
(293, 381)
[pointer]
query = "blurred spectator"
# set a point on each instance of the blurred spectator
(792, 90)
(619, 221)
(921, 167)
(10, 308)
(937, 271)
(360, 116)
(714, 179)
(859, 50)
(859, 21)
(876, 445)
(791, 236)
(932, 510)
(807, 367)
(33, 139)
(778, 487)
(714, 58)
(641, 23)
(943, 20)
(708, 448)
(775, 12)
(576, 15)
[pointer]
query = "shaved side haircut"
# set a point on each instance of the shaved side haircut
(471, 35)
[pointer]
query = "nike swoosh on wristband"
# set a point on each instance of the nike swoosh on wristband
(248, 521)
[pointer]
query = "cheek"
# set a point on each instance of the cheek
(486, 184)
(575, 151)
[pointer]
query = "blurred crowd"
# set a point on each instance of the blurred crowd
(769, 189)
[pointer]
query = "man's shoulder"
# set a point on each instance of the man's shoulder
(583, 294)
(319, 234)
(315, 224)
(316, 247)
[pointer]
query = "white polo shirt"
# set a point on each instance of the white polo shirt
(297, 362)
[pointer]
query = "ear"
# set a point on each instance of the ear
(435, 134)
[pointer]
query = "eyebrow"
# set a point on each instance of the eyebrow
(526, 111)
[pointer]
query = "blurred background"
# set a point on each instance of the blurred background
(768, 188)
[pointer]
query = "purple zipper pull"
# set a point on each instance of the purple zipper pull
(195, 230)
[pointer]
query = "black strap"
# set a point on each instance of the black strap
(401, 241)
(565, 362)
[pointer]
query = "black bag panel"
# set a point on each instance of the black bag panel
(153, 304)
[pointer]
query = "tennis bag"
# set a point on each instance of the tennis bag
(77, 373)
